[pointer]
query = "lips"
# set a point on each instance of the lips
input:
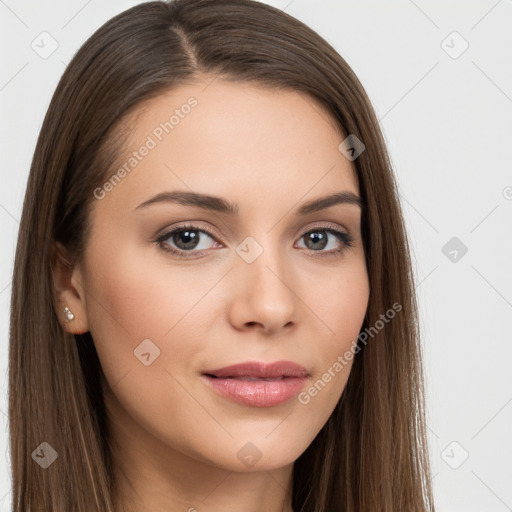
(254, 370)
(258, 384)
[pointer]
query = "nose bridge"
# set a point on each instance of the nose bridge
(264, 260)
(265, 282)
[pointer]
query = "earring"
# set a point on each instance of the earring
(68, 314)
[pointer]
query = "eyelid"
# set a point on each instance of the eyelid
(192, 225)
(324, 225)
(214, 233)
(343, 235)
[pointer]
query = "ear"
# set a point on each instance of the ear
(68, 290)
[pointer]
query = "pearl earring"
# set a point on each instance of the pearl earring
(68, 314)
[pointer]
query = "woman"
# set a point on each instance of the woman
(213, 306)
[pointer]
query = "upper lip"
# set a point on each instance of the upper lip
(260, 370)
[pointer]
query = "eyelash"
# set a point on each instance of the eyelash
(344, 237)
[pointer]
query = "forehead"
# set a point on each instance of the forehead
(232, 139)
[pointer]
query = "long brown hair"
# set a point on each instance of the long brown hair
(372, 453)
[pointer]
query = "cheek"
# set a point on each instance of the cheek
(341, 307)
(137, 304)
(131, 300)
(338, 303)
(135, 298)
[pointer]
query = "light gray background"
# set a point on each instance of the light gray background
(447, 121)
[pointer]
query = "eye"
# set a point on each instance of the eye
(333, 239)
(192, 239)
(185, 239)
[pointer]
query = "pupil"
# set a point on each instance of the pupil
(190, 239)
(316, 237)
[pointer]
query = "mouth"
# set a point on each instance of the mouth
(250, 378)
(258, 384)
(259, 370)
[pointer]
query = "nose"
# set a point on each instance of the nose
(263, 297)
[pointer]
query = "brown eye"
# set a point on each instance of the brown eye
(185, 239)
(188, 240)
(318, 239)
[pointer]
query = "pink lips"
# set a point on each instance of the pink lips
(258, 384)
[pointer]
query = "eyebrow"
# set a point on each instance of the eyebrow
(218, 204)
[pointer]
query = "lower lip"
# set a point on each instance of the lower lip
(258, 393)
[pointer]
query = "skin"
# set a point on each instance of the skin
(176, 440)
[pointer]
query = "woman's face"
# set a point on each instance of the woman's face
(263, 283)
